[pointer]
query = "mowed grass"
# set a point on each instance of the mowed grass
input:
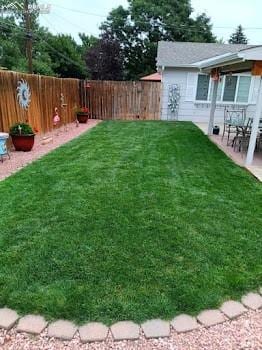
(133, 220)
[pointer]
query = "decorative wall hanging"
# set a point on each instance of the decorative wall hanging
(23, 94)
(173, 100)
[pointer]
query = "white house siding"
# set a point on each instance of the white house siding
(189, 109)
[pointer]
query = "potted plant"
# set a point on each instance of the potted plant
(216, 130)
(82, 115)
(23, 137)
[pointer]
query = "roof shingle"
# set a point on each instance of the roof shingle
(174, 54)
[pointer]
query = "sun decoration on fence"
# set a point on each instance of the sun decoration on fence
(23, 93)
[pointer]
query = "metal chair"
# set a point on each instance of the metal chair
(241, 140)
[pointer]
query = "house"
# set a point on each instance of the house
(152, 77)
(187, 91)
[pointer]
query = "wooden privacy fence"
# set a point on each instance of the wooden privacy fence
(125, 100)
(45, 97)
(106, 100)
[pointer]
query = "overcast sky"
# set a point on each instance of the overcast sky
(66, 16)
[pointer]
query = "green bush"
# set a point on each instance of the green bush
(21, 129)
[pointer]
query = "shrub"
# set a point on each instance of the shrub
(21, 129)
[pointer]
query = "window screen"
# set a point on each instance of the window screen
(230, 88)
(243, 89)
(202, 87)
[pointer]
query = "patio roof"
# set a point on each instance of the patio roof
(241, 61)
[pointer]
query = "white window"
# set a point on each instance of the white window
(231, 88)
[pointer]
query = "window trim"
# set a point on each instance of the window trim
(208, 101)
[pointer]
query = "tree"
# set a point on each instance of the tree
(52, 55)
(238, 37)
(104, 60)
(66, 56)
(139, 27)
(88, 41)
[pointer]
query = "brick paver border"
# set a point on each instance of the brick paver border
(128, 330)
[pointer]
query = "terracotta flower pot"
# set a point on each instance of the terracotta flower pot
(23, 143)
(82, 117)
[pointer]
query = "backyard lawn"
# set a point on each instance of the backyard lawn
(132, 220)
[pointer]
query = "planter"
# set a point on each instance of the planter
(216, 130)
(82, 117)
(23, 143)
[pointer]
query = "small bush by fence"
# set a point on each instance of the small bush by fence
(45, 97)
(125, 100)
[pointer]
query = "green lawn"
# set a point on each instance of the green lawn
(133, 220)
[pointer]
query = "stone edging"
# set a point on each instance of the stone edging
(128, 330)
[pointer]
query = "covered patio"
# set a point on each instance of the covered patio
(247, 133)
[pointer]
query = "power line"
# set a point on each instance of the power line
(80, 11)
(74, 24)
(141, 22)
(68, 59)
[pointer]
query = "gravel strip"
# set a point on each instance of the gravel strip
(244, 333)
(21, 159)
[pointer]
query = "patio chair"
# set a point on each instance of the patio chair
(241, 140)
(242, 136)
(259, 142)
(232, 118)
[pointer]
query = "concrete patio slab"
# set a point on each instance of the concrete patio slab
(8, 318)
(252, 301)
(211, 317)
(184, 323)
(31, 324)
(61, 329)
(92, 332)
(232, 309)
(125, 330)
(156, 329)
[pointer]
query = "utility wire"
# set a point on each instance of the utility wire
(23, 34)
(80, 11)
(74, 24)
(141, 22)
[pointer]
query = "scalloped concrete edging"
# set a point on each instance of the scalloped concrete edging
(128, 330)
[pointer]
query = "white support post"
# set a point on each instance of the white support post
(255, 124)
(213, 108)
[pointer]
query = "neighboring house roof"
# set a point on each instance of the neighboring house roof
(152, 77)
(185, 54)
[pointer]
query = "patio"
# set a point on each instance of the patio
(237, 157)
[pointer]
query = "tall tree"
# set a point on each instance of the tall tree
(66, 56)
(104, 60)
(52, 54)
(238, 37)
(145, 22)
